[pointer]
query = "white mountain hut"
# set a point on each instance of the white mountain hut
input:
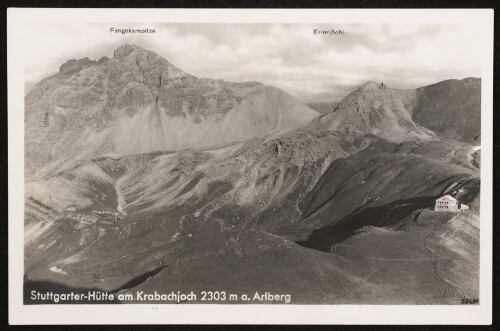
(449, 203)
(446, 203)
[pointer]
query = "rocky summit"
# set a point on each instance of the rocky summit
(449, 109)
(142, 177)
(138, 102)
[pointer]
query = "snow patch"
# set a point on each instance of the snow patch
(56, 269)
(120, 198)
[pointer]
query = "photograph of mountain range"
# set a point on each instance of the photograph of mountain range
(289, 174)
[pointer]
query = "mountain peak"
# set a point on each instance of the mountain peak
(376, 109)
(151, 63)
(138, 102)
(126, 49)
(371, 85)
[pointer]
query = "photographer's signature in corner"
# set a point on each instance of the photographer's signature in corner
(329, 32)
(470, 301)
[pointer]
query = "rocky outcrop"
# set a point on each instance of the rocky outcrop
(73, 66)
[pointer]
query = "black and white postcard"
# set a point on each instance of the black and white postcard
(250, 166)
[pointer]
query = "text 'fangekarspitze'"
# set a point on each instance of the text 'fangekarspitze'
(131, 30)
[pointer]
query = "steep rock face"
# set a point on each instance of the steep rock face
(451, 108)
(139, 102)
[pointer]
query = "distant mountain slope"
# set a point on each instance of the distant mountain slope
(451, 108)
(138, 102)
